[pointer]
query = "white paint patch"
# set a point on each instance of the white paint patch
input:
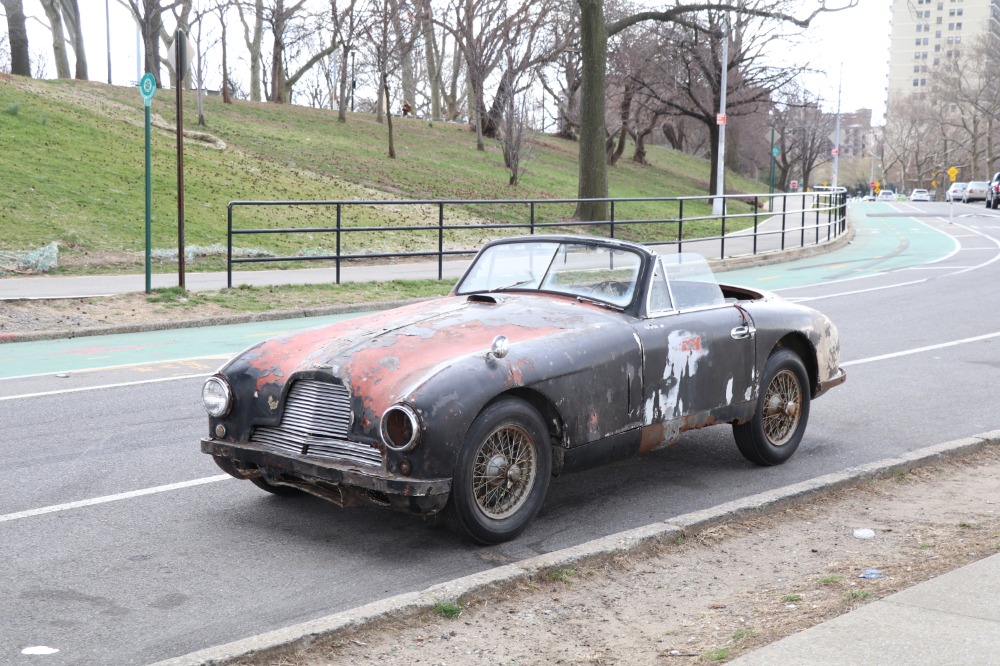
(39, 649)
(729, 392)
(30, 513)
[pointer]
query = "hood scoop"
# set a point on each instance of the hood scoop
(488, 299)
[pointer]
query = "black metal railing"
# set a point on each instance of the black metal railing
(762, 222)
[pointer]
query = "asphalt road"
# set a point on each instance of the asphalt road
(122, 544)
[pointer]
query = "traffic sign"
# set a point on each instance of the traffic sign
(835, 152)
(794, 184)
(952, 172)
(147, 87)
(720, 119)
(775, 151)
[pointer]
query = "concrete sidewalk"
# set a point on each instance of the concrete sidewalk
(951, 619)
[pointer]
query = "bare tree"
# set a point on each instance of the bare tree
(512, 131)
(594, 33)
(17, 32)
(53, 11)
(253, 36)
(71, 18)
(290, 27)
(348, 24)
(148, 15)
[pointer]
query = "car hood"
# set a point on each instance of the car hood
(383, 357)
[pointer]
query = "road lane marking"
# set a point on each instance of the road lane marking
(81, 389)
(919, 350)
(30, 513)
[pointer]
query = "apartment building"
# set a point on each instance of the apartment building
(926, 33)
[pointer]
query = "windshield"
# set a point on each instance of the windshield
(594, 272)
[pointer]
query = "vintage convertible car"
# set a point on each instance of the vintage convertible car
(552, 353)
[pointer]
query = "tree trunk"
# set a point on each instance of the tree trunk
(17, 31)
(342, 110)
(593, 167)
(53, 11)
(71, 16)
(626, 114)
(713, 142)
(432, 59)
(639, 156)
(388, 114)
(253, 41)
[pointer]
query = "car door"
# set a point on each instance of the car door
(698, 354)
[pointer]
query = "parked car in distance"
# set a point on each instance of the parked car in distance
(920, 195)
(886, 195)
(868, 197)
(993, 191)
(955, 192)
(976, 191)
(551, 354)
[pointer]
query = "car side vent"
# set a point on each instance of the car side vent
(483, 298)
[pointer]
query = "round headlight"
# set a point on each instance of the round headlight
(400, 428)
(217, 396)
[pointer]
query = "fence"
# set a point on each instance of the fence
(751, 223)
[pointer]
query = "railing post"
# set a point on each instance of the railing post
(440, 240)
(532, 217)
(722, 235)
(612, 218)
(784, 214)
(338, 241)
(756, 208)
(680, 225)
(229, 244)
(802, 232)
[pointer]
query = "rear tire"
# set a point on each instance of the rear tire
(781, 413)
(502, 474)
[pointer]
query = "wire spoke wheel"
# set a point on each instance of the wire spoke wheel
(781, 413)
(505, 470)
(782, 407)
(502, 472)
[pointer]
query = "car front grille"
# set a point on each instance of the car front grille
(315, 422)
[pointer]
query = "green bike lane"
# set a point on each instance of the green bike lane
(881, 244)
(885, 240)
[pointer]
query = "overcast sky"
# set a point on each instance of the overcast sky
(851, 45)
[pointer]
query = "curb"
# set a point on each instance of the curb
(270, 315)
(291, 640)
(729, 264)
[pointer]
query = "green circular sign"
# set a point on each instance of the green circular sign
(147, 87)
(775, 151)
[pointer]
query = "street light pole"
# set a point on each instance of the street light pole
(720, 174)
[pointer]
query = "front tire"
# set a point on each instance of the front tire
(503, 473)
(781, 413)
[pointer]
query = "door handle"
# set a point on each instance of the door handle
(743, 332)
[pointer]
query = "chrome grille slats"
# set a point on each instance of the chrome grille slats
(316, 422)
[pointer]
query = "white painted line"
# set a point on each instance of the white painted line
(81, 389)
(858, 291)
(920, 350)
(30, 513)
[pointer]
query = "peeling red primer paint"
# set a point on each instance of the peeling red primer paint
(381, 356)
(690, 344)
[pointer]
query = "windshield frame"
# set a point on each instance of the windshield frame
(570, 261)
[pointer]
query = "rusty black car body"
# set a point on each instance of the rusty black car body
(552, 353)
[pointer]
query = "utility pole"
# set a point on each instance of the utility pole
(836, 139)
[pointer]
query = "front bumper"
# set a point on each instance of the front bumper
(836, 379)
(340, 483)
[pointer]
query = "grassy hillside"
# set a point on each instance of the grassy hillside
(72, 165)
